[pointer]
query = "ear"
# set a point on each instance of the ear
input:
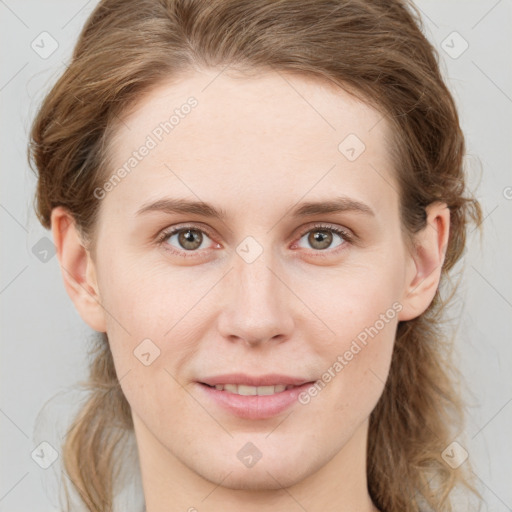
(426, 261)
(77, 269)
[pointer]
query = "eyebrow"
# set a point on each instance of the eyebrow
(336, 205)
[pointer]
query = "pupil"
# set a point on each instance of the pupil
(321, 238)
(189, 239)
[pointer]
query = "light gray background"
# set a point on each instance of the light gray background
(44, 341)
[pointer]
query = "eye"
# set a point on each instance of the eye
(184, 239)
(321, 237)
(187, 241)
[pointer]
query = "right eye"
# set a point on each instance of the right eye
(187, 239)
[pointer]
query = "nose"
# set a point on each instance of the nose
(257, 305)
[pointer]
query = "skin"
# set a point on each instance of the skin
(254, 147)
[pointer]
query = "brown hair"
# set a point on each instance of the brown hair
(374, 49)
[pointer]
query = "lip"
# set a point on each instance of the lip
(272, 379)
(254, 407)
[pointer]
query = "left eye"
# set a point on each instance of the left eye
(321, 238)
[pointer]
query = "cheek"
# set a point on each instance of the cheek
(356, 366)
(359, 303)
(155, 318)
(362, 318)
(147, 299)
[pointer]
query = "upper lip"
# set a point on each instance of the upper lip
(262, 380)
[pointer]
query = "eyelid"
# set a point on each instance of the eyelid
(345, 233)
(181, 227)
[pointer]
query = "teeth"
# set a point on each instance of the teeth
(242, 389)
(268, 390)
(232, 388)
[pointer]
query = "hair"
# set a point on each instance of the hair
(375, 50)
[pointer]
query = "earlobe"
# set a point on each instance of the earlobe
(77, 267)
(427, 258)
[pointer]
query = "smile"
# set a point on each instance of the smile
(252, 402)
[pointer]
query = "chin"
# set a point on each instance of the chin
(246, 480)
(263, 476)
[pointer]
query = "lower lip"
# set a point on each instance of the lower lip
(255, 407)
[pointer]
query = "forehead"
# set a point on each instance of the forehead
(214, 132)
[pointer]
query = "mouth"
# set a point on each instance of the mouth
(253, 398)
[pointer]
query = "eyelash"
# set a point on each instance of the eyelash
(165, 235)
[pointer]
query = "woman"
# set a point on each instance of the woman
(255, 204)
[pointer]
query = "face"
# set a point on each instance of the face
(301, 278)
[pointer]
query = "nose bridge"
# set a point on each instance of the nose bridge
(257, 283)
(256, 309)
